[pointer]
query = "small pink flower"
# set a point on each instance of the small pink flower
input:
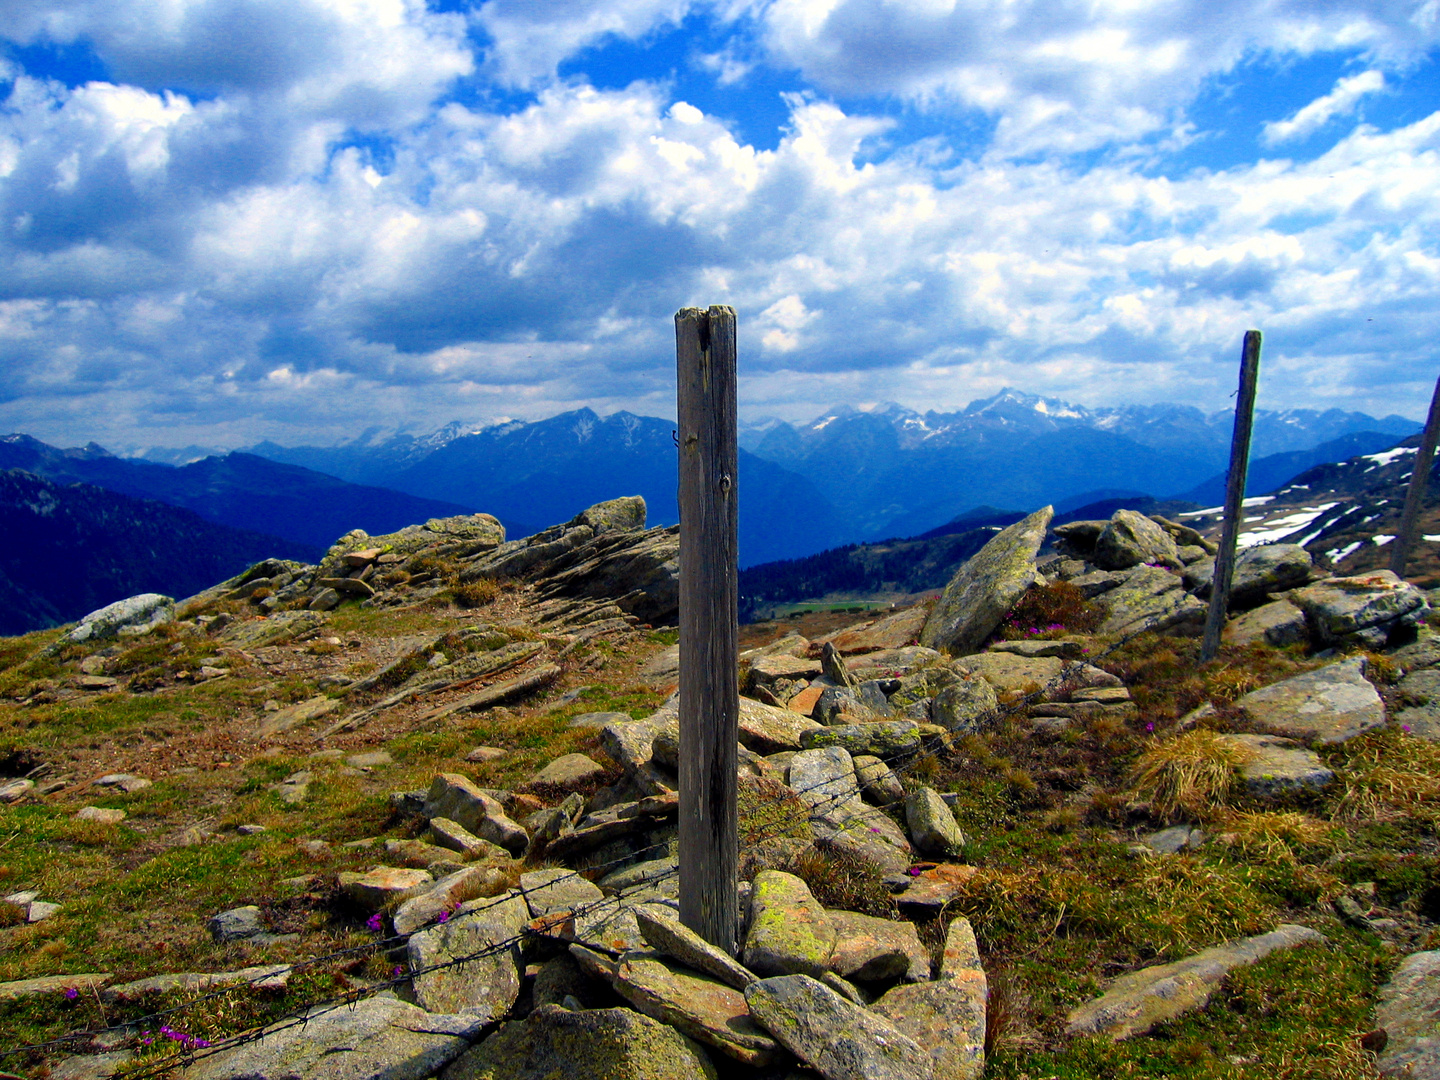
(1405, 728)
(914, 871)
(1150, 726)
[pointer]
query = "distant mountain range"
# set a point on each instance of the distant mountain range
(240, 490)
(72, 548)
(894, 472)
(847, 477)
(547, 471)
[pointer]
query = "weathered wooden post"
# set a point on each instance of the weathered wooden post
(709, 691)
(1415, 493)
(1234, 496)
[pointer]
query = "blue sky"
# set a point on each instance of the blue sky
(227, 220)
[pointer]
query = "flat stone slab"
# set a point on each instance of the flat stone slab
(664, 930)
(377, 1037)
(1328, 705)
(889, 740)
(1138, 1001)
(1276, 768)
(891, 632)
(52, 984)
(293, 716)
(272, 977)
(1408, 1006)
(554, 1043)
(837, 1038)
(375, 888)
(702, 1007)
(930, 890)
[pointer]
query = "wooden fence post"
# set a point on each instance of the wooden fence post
(1234, 496)
(709, 690)
(1415, 493)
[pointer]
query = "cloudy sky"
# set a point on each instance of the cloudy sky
(225, 220)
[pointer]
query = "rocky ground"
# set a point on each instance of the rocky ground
(411, 813)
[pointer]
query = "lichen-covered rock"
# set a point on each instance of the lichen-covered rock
(1406, 1012)
(1278, 623)
(986, 587)
(446, 895)
(702, 1007)
(1372, 610)
(1138, 1001)
(1266, 568)
(825, 780)
(1129, 539)
(966, 705)
(889, 740)
(933, 829)
(891, 632)
(946, 1019)
(134, 615)
(870, 949)
(878, 782)
(1151, 598)
(1328, 705)
(766, 729)
(374, 1038)
(475, 970)
(789, 931)
(835, 1037)
(384, 885)
(626, 514)
(1277, 769)
(458, 798)
(464, 533)
(553, 1042)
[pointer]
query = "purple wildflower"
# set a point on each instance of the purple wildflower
(1405, 728)
(1150, 726)
(375, 922)
(71, 993)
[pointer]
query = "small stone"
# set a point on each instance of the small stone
(124, 782)
(946, 1019)
(1276, 768)
(15, 790)
(566, 771)
(237, 924)
(878, 782)
(39, 910)
(485, 753)
(371, 759)
(250, 830)
(101, 814)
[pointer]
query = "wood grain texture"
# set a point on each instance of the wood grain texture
(1234, 496)
(709, 692)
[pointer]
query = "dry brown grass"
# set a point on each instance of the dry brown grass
(1387, 776)
(1191, 773)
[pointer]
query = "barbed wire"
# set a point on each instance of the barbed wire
(900, 764)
